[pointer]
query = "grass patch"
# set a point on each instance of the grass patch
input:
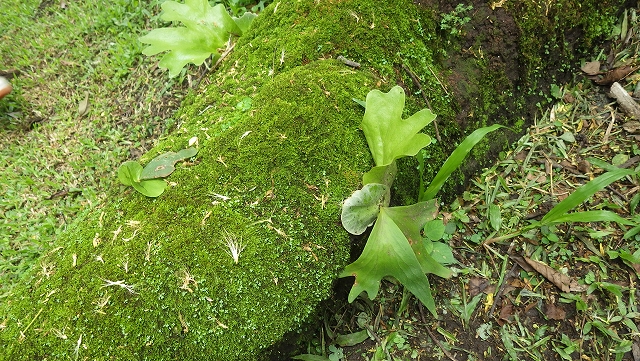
(55, 161)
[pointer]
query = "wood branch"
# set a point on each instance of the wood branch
(625, 100)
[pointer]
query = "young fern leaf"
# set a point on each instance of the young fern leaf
(388, 135)
(206, 29)
(388, 253)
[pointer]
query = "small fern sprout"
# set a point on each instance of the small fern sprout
(235, 247)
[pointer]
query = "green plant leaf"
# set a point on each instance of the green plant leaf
(309, 357)
(129, 172)
(352, 339)
(455, 159)
(581, 194)
(361, 209)
(434, 229)
(388, 135)
(245, 21)
(411, 219)
(206, 30)
(588, 216)
(443, 255)
(164, 164)
(150, 188)
(384, 174)
(199, 12)
(495, 216)
(388, 253)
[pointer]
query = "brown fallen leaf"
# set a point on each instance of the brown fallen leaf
(477, 285)
(632, 126)
(563, 282)
(506, 313)
(616, 74)
(635, 349)
(591, 68)
(555, 312)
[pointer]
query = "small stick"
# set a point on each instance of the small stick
(416, 82)
(605, 139)
(348, 62)
(433, 337)
(626, 101)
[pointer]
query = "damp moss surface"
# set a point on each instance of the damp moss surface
(279, 150)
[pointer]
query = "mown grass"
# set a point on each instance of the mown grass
(54, 161)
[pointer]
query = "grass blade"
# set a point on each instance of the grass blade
(590, 216)
(455, 159)
(583, 193)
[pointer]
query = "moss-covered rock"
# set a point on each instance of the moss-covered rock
(280, 148)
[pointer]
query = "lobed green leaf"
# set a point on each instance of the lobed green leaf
(388, 135)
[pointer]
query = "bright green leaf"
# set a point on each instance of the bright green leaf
(455, 159)
(434, 229)
(398, 261)
(442, 254)
(384, 174)
(582, 194)
(361, 209)
(245, 21)
(150, 188)
(388, 135)
(206, 30)
(129, 172)
(495, 216)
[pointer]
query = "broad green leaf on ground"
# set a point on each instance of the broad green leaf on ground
(199, 12)
(434, 229)
(361, 209)
(184, 46)
(583, 193)
(150, 188)
(388, 254)
(443, 255)
(129, 172)
(206, 30)
(388, 135)
(455, 159)
(164, 164)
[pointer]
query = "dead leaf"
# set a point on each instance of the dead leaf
(521, 262)
(635, 349)
(591, 68)
(83, 107)
(477, 285)
(506, 312)
(616, 74)
(632, 126)
(563, 282)
(555, 312)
